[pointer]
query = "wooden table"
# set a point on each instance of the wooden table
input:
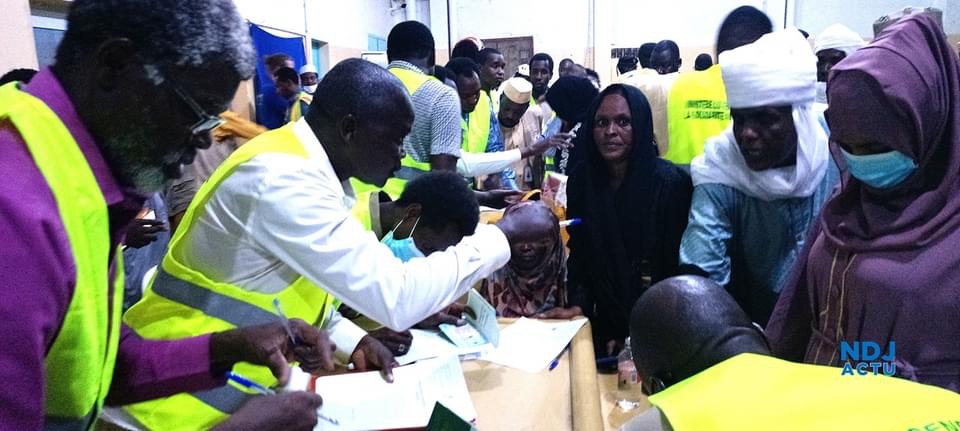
(566, 398)
(613, 416)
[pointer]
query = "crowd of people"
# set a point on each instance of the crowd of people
(738, 224)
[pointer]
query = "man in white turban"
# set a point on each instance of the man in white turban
(760, 183)
(832, 45)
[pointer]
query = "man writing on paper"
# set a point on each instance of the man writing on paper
(274, 222)
(80, 160)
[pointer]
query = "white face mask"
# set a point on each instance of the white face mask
(310, 88)
(821, 92)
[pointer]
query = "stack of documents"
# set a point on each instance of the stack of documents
(527, 344)
(364, 401)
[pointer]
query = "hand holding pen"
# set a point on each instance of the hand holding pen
(288, 411)
(263, 390)
(272, 345)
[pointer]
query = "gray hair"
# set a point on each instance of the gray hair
(168, 33)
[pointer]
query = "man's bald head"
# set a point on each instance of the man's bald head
(684, 325)
(361, 113)
(360, 88)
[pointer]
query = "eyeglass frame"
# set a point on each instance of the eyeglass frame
(205, 122)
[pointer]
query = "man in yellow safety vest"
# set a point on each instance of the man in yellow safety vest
(274, 223)
(706, 366)
(134, 92)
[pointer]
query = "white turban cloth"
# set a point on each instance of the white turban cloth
(778, 69)
(839, 37)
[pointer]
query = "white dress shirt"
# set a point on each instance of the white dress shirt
(477, 164)
(279, 216)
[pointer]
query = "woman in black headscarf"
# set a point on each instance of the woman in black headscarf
(570, 98)
(633, 206)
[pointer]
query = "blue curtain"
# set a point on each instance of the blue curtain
(271, 107)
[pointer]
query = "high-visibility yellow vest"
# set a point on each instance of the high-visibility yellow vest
(476, 129)
(79, 364)
(361, 209)
(756, 392)
(183, 301)
(296, 111)
(696, 111)
(409, 168)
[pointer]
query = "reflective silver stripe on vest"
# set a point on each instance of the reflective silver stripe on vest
(408, 173)
(54, 423)
(213, 304)
(226, 399)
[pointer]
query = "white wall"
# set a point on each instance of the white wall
(687, 22)
(19, 50)
(558, 27)
(815, 15)
(343, 25)
(586, 30)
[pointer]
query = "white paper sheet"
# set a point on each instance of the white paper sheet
(363, 401)
(471, 341)
(530, 345)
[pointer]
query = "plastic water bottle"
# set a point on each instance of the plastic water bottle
(628, 382)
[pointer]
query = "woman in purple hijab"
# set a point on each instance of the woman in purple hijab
(884, 262)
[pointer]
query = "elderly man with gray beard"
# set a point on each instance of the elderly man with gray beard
(135, 91)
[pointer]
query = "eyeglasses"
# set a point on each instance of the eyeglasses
(205, 122)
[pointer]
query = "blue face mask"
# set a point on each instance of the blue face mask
(880, 171)
(404, 249)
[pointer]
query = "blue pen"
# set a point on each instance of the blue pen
(611, 360)
(554, 364)
(284, 320)
(556, 361)
(571, 222)
(249, 384)
(263, 390)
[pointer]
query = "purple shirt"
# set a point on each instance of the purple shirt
(38, 277)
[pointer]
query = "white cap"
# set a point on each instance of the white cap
(524, 69)
(777, 69)
(308, 68)
(840, 37)
(517, 89)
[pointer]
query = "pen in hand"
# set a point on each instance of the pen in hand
(284, 320)
(249, 384)
(263, 390)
